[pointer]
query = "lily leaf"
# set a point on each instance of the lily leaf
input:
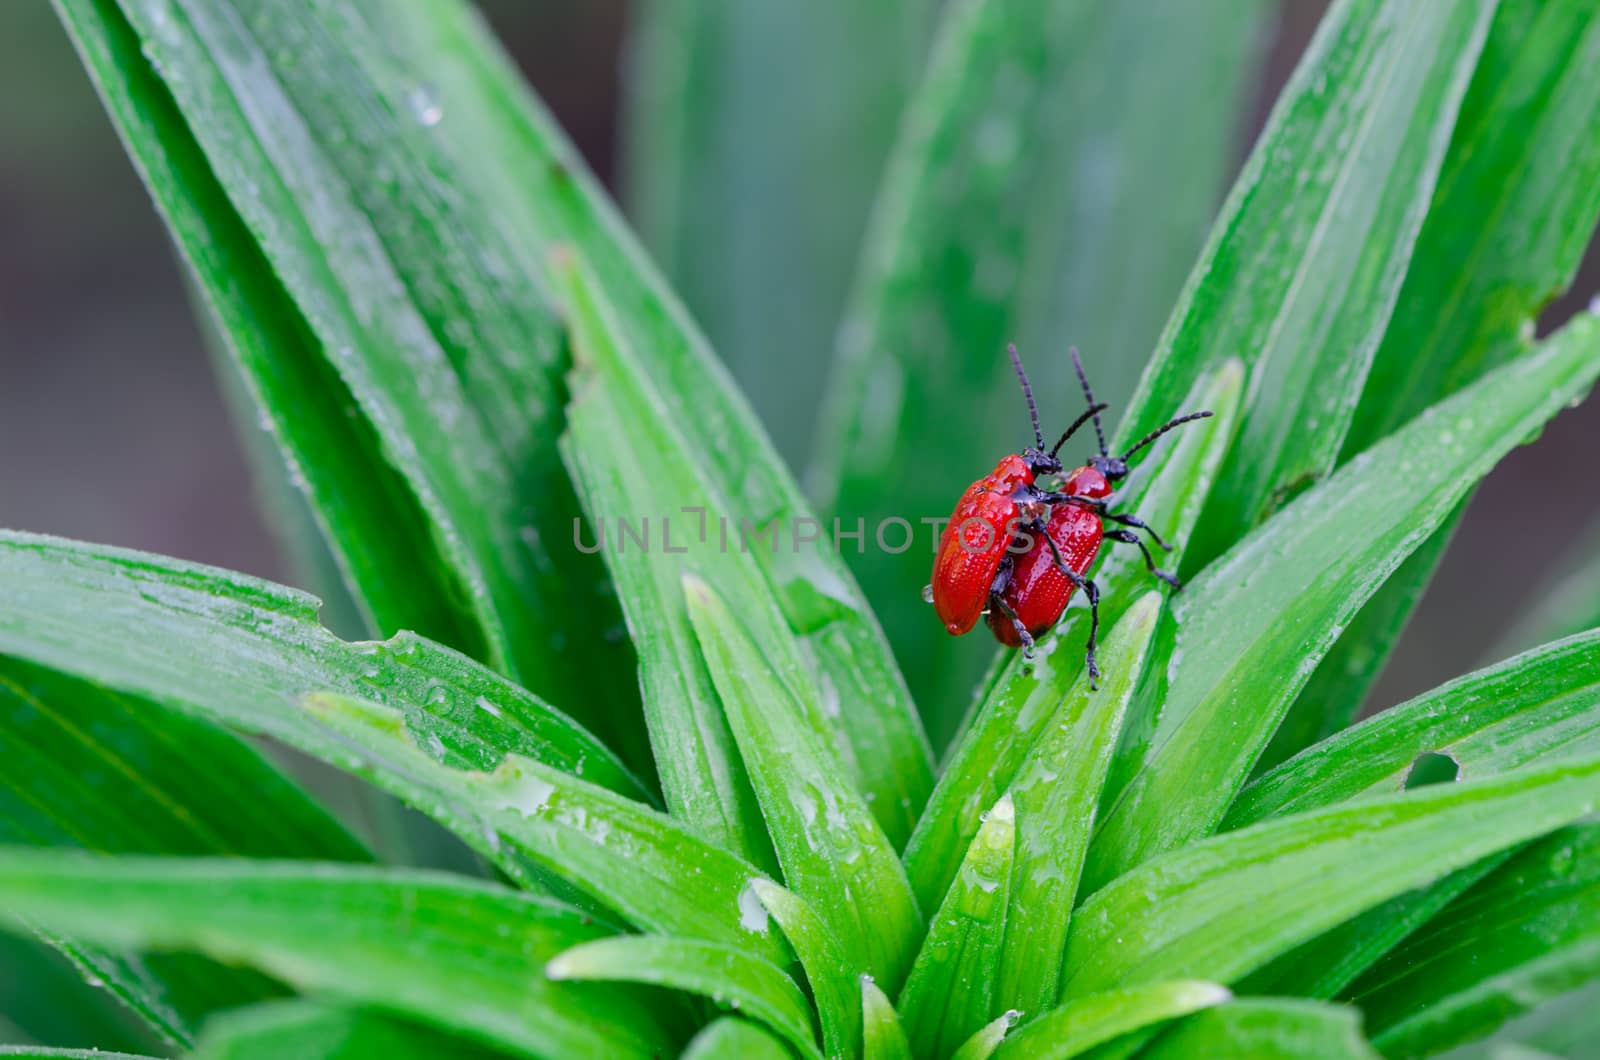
(1540, 705)
(1221, 907)
(834, 855)
(1271, 608)
(1083, 1023)
(950, 994)
(722, 973)
(383, 938)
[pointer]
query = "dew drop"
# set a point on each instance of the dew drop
(927, 594)
(425, 105)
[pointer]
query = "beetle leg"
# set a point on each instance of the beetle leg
(998, 601)
(1124, 519)
(1128, 537)
(1092, 592)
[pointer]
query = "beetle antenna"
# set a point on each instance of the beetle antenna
(1164, 428)
(1088, 395)
(1094, 410)
(1027, 392)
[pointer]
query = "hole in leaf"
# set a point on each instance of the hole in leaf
(1432, 767)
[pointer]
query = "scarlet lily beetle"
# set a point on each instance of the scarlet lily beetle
(1015, 552)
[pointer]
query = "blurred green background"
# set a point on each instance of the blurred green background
(112, 427)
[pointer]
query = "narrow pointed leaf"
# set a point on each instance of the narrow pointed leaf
(1085, 1022)
(400, 296)
(428, 726)
(611, 421)
(1537, 706)
(1351, 163)
(950, 994)
(1323, 967)
(728, 1038)
(1515, 206)
(1168, 488)
(545, 827)
(1057, 792)
(91, 769)
(243, 651)
(986, 1039)
(835, 988)
(315, 1030)
(834, 855)
(388, 939)
(726, 975)
(1256, 617)
(1528, 932)
(1222, 907)
(1267, 1029)
(32, 1052)
(1019, 204)
(753, 138)
(551, 200)
(882, 1037)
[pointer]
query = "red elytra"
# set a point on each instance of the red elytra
(1038, 591)
(1015, 552)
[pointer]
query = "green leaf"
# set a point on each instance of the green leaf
(45, 997)
(722, 973)
(950, 994)
(457, 954)
(1252, 627)
(1334, 198)
(540, 824)
(1029, 198)
(553, 201)
(1168, 488)
(39, 1052)
(245, 652)
(249, 654)
(1057, 792)
(316, 1030)
(834, 855)
(1323, 967)
(89, 768)
(987, 1038)
(613, 419)
(1221, 907)
(754, 136)
(835, 986)
(1267, 1029)
(1528, 932)
(882, 1037)
(1540, 705)
(728, 1038)
(1561, 1027)
(1515, 206)
(374, 253)
(1085, 1022)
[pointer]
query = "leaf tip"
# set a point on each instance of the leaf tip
(1005, 811)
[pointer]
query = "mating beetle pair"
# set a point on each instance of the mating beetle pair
(1015, 552)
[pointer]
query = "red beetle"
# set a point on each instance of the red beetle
(1016, 552)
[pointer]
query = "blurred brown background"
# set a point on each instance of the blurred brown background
(112, 428)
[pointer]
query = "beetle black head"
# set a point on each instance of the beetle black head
(1112, 467)
(1041, 462)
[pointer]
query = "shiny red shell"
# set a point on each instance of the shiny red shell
(1038, 592)
(974, 542)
